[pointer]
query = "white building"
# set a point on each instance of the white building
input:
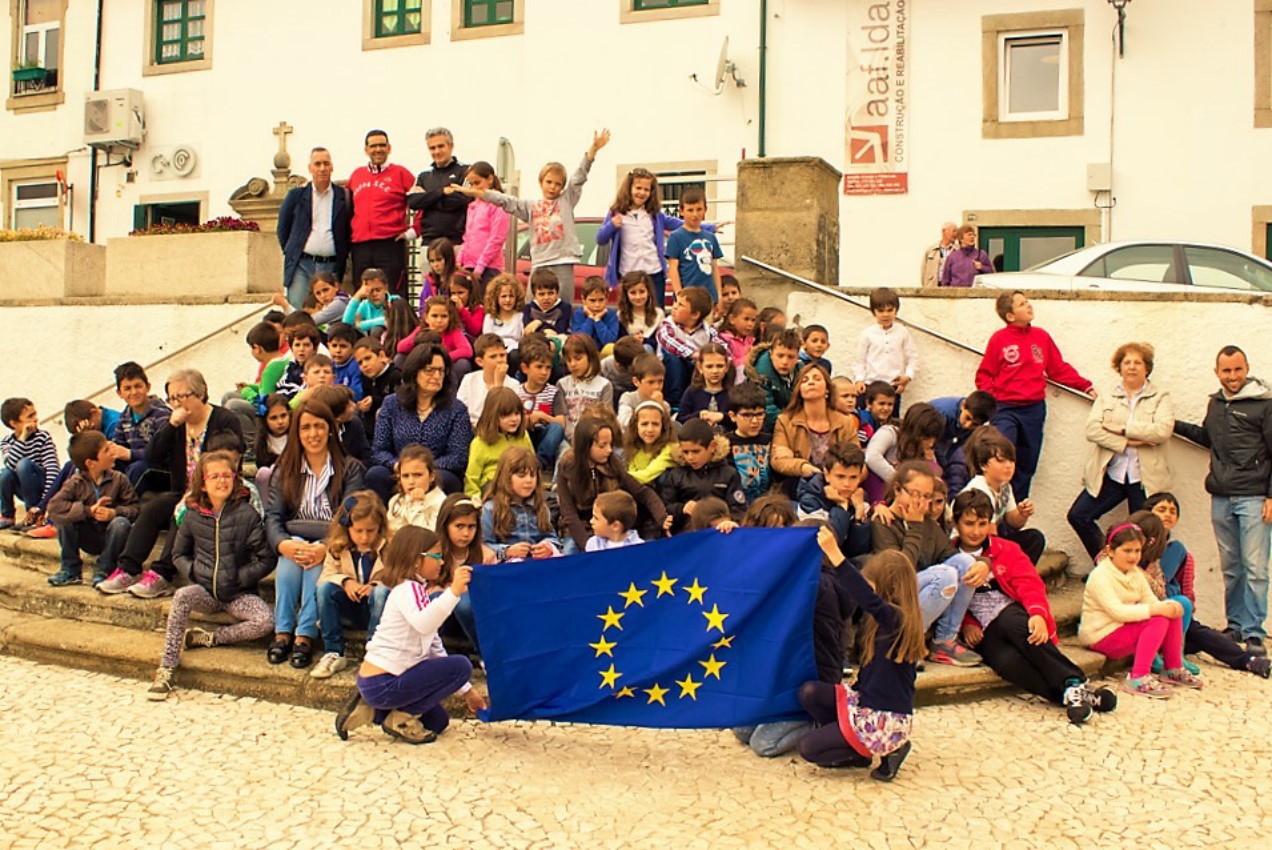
(1005, 105)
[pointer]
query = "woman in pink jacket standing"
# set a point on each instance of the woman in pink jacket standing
(485, 230)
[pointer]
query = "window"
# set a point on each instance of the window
(395, 23)
(35, 204)
(638, 11)
(1217, 268)
(179, 30)
(484, 13)
(1033, 84)
(36, 45)
(672, 185)
(1032, 80)
(398, 17)
(1014, 248)
(486, 18)
(171, 212)
(1148, 263)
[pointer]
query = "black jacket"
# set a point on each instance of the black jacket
(353, 439)
(280, 518)
(1238, 432)
(377, 389)
(227, 555)
(167, 449)
(682, 484)
(441, 214)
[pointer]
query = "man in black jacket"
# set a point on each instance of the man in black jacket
(443, 210)
(1238, 431)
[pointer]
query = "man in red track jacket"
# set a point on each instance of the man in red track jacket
(380, 229)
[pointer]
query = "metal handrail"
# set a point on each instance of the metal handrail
(169, 356)
(971, 349)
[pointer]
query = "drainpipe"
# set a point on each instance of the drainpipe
(763, 74)
(92, 162)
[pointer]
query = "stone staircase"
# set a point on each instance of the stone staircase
(122, 635)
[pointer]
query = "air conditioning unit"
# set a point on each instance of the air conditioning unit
(114, 119)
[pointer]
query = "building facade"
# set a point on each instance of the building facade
(1031, 118)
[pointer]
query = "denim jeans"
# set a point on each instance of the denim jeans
(467, 620)
(335, 608)
(298, 284)
(679, 373)
(547, 439)
(106, 542)
(943, 598)
(293, 585)
(25, 482)
(1243, 539)
(1087, 509)
(770, 740)
(419, 690)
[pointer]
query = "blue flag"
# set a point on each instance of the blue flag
(699, 630)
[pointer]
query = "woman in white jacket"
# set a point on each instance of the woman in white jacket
(1129, 428)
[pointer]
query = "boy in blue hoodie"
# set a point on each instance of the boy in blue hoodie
(835, 495)
(340, 341)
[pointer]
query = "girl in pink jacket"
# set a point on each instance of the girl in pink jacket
(485, 230)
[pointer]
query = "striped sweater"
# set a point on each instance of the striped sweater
(38, 448)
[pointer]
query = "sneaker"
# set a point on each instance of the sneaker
(1103, 699)
(890, 764)
(62, 578)
(1078, 703)
(1146, 686)
(162, 686)
(1254, 645)
(1181, 678)
(353, 714)
(329, 665)
(151, 585)
(117, 582)
(952, 652)
(197, 638)
(1260, 665)
(407, 727)
(46, 531)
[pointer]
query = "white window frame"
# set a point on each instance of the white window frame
(35, 203)
(1005, 115)
(43, 43)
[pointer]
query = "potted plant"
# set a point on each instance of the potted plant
(29, 71)
(223, 257)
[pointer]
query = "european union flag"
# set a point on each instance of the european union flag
(700, 630)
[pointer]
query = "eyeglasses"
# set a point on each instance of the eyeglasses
(753, 414)
(219, 476)
(436, 556)
(922, 497)
(434, 371)
(177, 398)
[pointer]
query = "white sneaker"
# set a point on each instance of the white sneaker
(162, 685)
(329, 665)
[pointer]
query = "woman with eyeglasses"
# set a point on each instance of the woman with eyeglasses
(222, 550)
(175, 447)
(311, 478)
(425, 412)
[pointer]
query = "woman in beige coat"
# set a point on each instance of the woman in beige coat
(1129, 429)
(808, 427)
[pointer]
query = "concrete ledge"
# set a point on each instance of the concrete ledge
(137, 301)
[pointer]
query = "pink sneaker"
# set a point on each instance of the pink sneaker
(1181, 678)
(117, 582)
(1146, 686)
(43, 532)
(151, 585)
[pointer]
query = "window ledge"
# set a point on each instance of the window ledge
(1030, 129)
(463, 33)
(408, 40)
(628, 14)
(154, 69)
(37, 102)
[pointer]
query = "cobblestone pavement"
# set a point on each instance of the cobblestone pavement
(86, 761)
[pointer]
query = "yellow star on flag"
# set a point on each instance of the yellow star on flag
(715, 618)
(713, 667)
(656, 695)
(632, 595)
(611, 618)
(695, 592)
(724, 642)
(609, 678)
(604, 647)
(664, 585)
(625, 692)
(689, 688)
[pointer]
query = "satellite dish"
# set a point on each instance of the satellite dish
(724, 71)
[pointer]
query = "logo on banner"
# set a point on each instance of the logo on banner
(868, 145)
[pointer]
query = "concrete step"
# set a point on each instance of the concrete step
(1052, 566)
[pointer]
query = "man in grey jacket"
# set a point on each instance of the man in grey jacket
(1238, 431)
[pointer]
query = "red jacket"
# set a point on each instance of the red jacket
(379, 202)
(1018, 579)
(1017, 362)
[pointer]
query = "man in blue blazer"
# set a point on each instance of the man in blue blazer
(313, 229)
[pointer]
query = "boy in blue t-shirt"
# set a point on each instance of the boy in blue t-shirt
(691, 251)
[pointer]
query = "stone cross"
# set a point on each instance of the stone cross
(282, 159)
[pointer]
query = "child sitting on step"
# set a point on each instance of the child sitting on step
(222, 550)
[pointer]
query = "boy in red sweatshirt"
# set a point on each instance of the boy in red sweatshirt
(1018, 361)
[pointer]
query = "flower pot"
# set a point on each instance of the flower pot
(194, 264)
(54, 268)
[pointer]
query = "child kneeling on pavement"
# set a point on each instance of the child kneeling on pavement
(93, 510)
(221, 549)
(406, 673)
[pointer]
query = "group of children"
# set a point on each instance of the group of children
(598, 427)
